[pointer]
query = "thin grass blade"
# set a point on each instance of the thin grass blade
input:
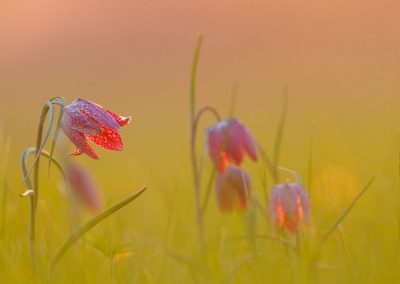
(345, 212)
(193, 77)
(55, 137)
(280, 129)
(50, 109)
(208, 190)
(82, 230)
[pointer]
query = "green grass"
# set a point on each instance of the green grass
(352, 236)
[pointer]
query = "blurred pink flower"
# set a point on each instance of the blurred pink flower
(83, 119)
(228, 141)
(83, 186)
(289, 205)
(232, 189)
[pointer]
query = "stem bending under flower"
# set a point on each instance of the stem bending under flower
(31, 193)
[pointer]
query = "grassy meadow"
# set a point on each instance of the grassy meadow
(331, 115)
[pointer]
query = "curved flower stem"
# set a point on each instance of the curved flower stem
(194, 119)
(31, 193)
(192, 97)
(42, 120)
(197, 170)
(295, 174)
(40, 143)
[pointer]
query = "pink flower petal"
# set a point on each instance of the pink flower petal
(232, 189)
(215, 141)
(289, 205)
(75, 119)
(96, 112)
(81, 144)
(83, 186)
(234, 143)
(110, 139)
(122, 121)
(248, 142)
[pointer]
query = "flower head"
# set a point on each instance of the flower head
(84, 120)
(289, 205)
(232, 189)
(83, 186)
(228, 141)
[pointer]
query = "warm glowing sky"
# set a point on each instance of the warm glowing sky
(244, 39)
(135, 56)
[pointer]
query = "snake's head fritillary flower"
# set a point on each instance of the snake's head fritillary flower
(84, 120)
(83, 186)
(228, 141)
(232, 189)
(289, 205)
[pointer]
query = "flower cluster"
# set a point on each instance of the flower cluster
(228, 141)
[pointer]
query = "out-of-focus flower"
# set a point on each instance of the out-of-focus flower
(83, 186)
(289, 205)
(84, 120)
(232, 189)
(228, 141)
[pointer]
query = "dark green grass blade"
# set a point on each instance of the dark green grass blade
(82, 230)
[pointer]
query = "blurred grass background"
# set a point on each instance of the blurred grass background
(341, 64)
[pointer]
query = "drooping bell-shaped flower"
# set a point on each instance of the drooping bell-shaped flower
(84, 120)
(232, 189)
(83, 186)
(228, 141)
(289, 205)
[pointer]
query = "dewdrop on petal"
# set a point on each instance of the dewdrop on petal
(84, 120)
(228, 141)
(289, 205)
(232, 189)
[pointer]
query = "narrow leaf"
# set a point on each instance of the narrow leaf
(279, 132)
(47, 107)
(32, 150)
(55, 137)
(82, 230)
(208, 190)
(193, 77)
(345, 212)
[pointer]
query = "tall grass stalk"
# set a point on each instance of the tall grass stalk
(196, 177)
(194, 119)
(279, 131)
(339, 229)
(339, 220)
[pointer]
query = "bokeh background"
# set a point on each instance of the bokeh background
(339, 60)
